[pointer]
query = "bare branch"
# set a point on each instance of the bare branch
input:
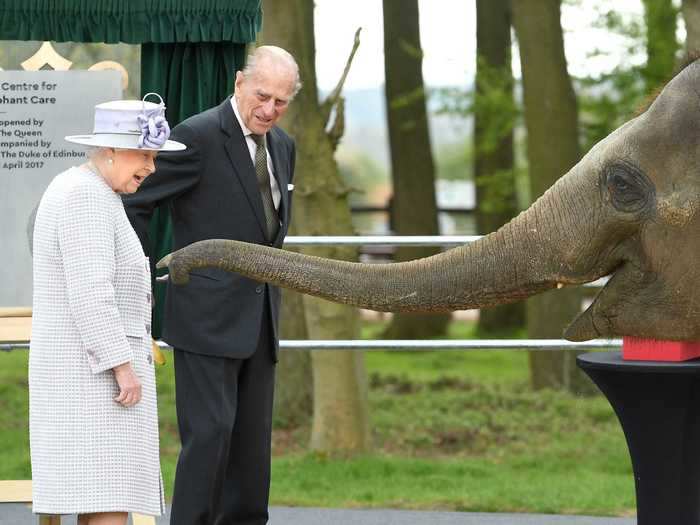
(332, 99)
(336, 131)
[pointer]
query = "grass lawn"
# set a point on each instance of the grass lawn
(452, 431)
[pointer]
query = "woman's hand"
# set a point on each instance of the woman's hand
(129, 385)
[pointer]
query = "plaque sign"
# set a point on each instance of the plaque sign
(38, 109)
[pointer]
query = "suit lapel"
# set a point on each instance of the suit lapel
(242, 165)
(281, 174)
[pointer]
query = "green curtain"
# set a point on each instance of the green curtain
(190, 77)
(130, 21)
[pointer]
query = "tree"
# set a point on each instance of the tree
(691, 16)
(661, 43)
(340, 420)
(551, 120)
(414, 207)
(293, 401)
(610, 99)
(494, 115)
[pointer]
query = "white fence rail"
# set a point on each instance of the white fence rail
(418, 344)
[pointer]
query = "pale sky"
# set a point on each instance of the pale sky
(448, 38)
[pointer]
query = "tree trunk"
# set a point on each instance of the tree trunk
(660, 18)
(340, 420)
(552, 149)
(414, 208)
(293, 403)
(691, 15)
(494, 116)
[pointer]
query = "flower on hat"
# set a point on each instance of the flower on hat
(154, 127)
(130, 124)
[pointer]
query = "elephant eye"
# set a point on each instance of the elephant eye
(629, 190)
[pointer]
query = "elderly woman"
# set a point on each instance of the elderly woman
(93, 417)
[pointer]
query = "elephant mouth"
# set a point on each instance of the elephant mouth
(598, 319)
(586, 325)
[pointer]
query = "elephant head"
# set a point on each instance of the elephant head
(628, 210)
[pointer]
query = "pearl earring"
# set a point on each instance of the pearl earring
(110, 161)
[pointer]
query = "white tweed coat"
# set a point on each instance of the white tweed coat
(91, 313)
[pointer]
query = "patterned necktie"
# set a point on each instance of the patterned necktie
(271, 217)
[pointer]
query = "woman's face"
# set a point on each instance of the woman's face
(129, 169)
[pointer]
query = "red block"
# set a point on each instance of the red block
(636, 349)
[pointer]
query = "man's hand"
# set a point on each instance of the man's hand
(129, 385)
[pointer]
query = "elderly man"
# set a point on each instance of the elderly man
(232, 182)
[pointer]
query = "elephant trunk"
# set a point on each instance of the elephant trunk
(534, 252)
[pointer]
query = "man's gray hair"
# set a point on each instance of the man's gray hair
(278, 56)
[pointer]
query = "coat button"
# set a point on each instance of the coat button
(92, 357)
(150, 359)
(148, 328)
(259, 288)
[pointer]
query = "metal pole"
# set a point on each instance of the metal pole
(380, 240)
(450, 344)
(463, 345)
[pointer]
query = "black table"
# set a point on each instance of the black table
(658, 405)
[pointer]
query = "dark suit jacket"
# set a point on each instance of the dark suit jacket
(212, 192)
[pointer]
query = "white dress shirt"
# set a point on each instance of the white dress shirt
(276, 195)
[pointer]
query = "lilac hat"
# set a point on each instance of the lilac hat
(130, 124)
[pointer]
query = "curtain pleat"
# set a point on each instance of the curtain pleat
(130, 21)
(191, 77)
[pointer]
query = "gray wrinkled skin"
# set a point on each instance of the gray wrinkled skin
(628, 209)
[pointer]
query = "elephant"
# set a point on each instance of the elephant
(628, 210)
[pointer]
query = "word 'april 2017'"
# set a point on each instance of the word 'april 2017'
(26, 92)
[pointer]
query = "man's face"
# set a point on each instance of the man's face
(263, 98)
